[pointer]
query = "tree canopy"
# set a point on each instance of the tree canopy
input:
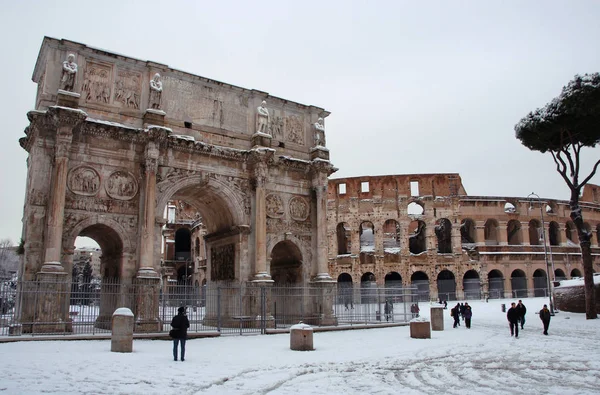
(572, 118)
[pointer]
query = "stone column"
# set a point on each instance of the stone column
(147, 281)
(65, 120)
(319, 272)
(260, 223)
(52, 312)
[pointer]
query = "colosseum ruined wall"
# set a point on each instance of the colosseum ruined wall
(424, 231)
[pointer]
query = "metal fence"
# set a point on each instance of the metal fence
(39, 308)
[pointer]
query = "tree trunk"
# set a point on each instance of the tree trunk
(586, 255)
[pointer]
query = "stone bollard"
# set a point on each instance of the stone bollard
(301, 337)
(437, 318)
(122, 330)
(503, 307)
(420, 329)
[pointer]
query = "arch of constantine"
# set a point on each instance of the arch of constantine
(114, 142)
(186, 180)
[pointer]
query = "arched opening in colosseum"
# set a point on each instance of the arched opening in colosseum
(467, 231)
(416, 238)
(559, 275)
(571, 233)
(393, 280)
(554, 233)
(368, 288)
(490, 232)
(446, 284)
(420, 281)
(575, 273)
(443, 232)
(415, 208)
(514, 235)
(535, 233)
(345, 290)
(367, 242)
(393, 286)
(391, 237)
(343, 238)
(540, 283)
(496, 284)
(101, 289)
(518, 284)
(472, 285)
(286, 264)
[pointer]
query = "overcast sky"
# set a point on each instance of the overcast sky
(413, 86)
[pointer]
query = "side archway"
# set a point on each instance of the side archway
(446, 284)
(518, 283)
(496, 284)
(420, 281)
(472, 285)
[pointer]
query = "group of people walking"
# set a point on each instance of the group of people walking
(516, 317)
(463, 311)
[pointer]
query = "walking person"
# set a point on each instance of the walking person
(545, 317)
(454, 313)
(513, 320)
(462, 311)
(468, 314)
(180, 325)
(522, 310)
(417, 309)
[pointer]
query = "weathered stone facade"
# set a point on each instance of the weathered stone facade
(126, 137)
(487, 246)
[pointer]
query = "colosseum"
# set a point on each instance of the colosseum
(424, 231)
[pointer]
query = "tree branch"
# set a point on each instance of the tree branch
(592, 173)
(561, 167)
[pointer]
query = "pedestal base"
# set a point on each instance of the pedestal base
(154, 117)
(420, 330)
(319, 152)
(261, 140)
(67, 99)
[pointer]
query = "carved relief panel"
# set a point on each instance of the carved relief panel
(299, 208)
(274, 205)
(121, 185)
(96, 83)
(83, 180)
(128, 87)
(222, 262)
(294, 129)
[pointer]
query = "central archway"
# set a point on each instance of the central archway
(287, 274)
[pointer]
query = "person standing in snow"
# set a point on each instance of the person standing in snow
(387, 309)
(180, 324)
(513, 319)
(455, 313)
(417, 309)
(522, 310)
(467, 315)
(545, 317)
(462, 311)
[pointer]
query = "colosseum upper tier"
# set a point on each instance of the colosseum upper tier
(424, 231)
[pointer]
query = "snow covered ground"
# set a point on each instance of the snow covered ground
(482, 360)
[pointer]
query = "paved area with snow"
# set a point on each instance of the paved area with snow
(482, 360)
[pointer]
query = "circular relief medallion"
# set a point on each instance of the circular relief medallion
(121, 185)
(84, 180)
(298, 208)
(274, 205)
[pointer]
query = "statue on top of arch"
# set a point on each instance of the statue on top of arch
(69, 72)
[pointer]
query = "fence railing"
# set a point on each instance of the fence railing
(86, 307)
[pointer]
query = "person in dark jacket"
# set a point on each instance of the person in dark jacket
(455, 313)
(180, 324)
(462, 311)
(522, 310)
(545, 317)
(388, 310)
(468, 314)
(513, 319)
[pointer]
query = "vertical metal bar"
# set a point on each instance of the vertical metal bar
(218, 309)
